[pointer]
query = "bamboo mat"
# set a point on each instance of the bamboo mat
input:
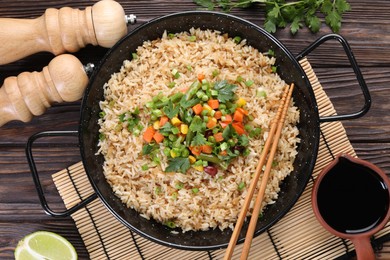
(297, 235)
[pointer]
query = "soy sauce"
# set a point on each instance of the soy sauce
(352, 198)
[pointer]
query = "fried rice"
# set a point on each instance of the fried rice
(218, 201)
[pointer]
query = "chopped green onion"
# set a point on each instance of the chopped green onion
(175, 130)
(175, 73)
(237, 39)
(209, 157)
(241, 186)
(157, 190)
(274, 69)
(171, 84)
(102, 114)
(136, 132)
(185, 153)
(167, 151)
(157, 112)
(261, 93)
(249, 83)
(239, 79)
(176, 97)
(270, 53)
(214, 92)
(192, 38)
(195, 190)
(170, 224)
(171, 35)
(179, 185)
(122, 117)
(215, 73)
(255, 132)
(145, 167)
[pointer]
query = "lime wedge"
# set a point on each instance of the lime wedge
(44, 245)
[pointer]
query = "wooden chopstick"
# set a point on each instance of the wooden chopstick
(273, 138)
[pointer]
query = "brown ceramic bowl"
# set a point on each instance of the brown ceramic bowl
(350, 199)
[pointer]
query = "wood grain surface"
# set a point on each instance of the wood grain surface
(366, 27)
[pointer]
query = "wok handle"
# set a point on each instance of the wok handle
(37, 181)
(355, 67)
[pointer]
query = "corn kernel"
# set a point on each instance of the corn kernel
(241, 102)
(199, 168)
(192, 159)
(156, 125)
(175, 121)
(184, 129)
(173, 154)
(207, 107)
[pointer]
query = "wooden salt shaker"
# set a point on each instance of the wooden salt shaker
(63, 30)
(31, 93)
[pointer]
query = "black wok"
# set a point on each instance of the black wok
(288, 68)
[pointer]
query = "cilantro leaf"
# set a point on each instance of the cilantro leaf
(196, 124)
(270, 25)
(295, 25)
(170, 110)
(205, 3)
(333, 19)
(228, 132)
(225, 90)
(184, 103)
(178, 164)
(198, 139)
(147, 149)
(314, 23)
(342, 6)
(274, 11)
(166, 128)
(279, 13)
(327, 7)
(333, 11)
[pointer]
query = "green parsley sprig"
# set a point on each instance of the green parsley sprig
(295, 14)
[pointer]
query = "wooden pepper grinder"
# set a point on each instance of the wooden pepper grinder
(31, 93)
(63, 30)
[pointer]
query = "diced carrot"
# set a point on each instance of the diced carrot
(218, 137)
(244, 111)
(163, 120)
(148, 134)
(197, 109)
(207, 148)
(183, 90)
(158, 137)
(223, 153)
(228, 119)
(213, 103)
(211, 123)
(238, 127)
(201, 76)
(218, 114)
(195, 150)
(238, 116)
(224, 124)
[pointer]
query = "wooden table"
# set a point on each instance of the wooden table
(366, 27)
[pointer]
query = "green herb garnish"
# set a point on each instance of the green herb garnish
(280, 13)
(178, 164)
